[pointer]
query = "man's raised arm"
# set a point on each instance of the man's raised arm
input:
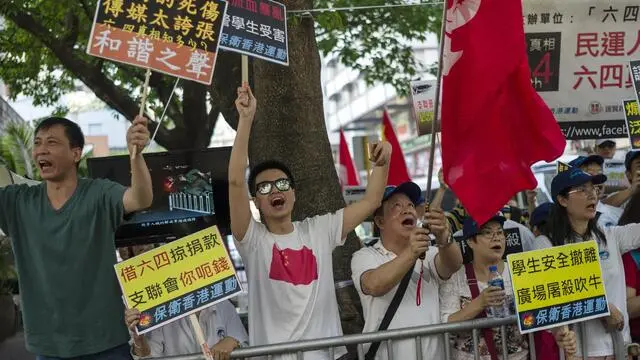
(140, 195)
(238, 191)
(358, 212)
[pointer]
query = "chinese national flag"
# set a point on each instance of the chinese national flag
(348, 176)
(494, 124)
(398, 172)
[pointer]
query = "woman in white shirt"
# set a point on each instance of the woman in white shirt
(467, 296)
(220, 324)
(575, 194)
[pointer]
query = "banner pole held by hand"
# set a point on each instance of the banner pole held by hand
(200, 336)
(245, 68)
(436, 110)
(143, 102)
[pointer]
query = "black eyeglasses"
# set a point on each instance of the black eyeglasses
(265, 187)
(492, 234)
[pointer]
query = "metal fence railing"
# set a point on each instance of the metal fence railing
(202, 203)
(416, 333)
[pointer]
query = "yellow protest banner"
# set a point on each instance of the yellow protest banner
(557, 286)
(177, 279)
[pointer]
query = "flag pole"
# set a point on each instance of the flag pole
(434, 124)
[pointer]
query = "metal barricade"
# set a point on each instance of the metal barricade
(416, 333)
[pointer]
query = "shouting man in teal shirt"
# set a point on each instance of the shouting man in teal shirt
(62, 232)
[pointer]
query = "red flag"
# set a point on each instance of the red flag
(494, 124)
(348, 174)
(397, 168)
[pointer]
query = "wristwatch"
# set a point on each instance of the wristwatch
(450, 241)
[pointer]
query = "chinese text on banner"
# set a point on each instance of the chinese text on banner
(177, 279)
(257, 28)
(179, 38)
(556, 286)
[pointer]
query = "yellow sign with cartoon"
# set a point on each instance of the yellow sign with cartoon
(557, 286)
(178, 279)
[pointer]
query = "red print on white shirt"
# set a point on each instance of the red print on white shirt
(297, 267)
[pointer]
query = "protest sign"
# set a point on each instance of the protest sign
(178, 279)
(353, 194)
(616, 173)
(634, 67)
(578, 56)
(513, 244)
(423, 94)
(557, 286)
(562, 167)
(179, 38)
(256, 28)
(632, 118)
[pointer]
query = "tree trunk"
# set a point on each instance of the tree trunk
(290, 127)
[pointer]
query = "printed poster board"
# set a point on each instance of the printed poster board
(353, 194)
(632, 118)
(634, 67)
(558, 286)
(423, 95)
(616, 173)
(562, 167)
(175, 37)
(256, 28)
(579, 52)
(178, 279)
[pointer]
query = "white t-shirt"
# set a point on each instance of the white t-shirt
(609, 215)
(620, 239)
(408, 313)
(526, 236)
(290, 279)
(542, 242)
(177, 338)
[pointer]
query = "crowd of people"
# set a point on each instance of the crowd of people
(413, 275)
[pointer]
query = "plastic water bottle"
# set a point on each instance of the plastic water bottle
(495, 279)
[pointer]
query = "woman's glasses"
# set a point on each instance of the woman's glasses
(492, 234)
(587, 190)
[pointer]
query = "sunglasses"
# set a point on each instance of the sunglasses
(265, 187)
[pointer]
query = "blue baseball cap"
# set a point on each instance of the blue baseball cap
(582, 160)
(572, 178)
(470, 227)
(628, 159)
(540, 214)
(409, 188)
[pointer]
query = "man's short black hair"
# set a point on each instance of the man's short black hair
(268, 165)
(71, 129)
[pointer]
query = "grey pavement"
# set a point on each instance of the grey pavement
(14, 348)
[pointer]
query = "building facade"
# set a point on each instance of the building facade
(357, 108)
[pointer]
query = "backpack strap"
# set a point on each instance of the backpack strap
(475, 292)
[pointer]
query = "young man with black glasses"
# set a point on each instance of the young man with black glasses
(290, 274)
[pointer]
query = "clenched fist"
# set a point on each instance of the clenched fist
(380, 153)
(246, 103)
(138, 134)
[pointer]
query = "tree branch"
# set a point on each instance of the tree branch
(223, 89)
(74, 29)
(87, 9)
